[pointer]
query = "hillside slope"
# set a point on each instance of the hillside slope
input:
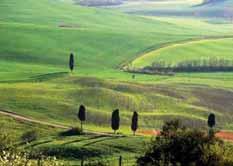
(38, 36)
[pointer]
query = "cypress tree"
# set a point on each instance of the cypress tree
(211, 120)
(134, 124)
(71, 62)
(115, 120)
(211, 124)
(82, 115)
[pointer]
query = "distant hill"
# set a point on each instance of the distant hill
(99, 2)
(213, 1)
(221, 10)
(216, 8)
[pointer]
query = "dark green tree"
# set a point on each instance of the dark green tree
(71, 62)
(115, 121)
(134, 124)
(82, 115)
(181, 146)
(211, 120)
(211, 124)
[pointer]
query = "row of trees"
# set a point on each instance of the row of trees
(115, 120)
(201, 65)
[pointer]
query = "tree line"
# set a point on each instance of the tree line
(115, 119)
(201, 65)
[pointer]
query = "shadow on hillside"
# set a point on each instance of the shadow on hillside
(49, 76)
(73, 152)
(77, 141)
(98, 141)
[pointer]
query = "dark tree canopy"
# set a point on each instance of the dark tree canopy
(211, 120)
(71, 62)
(82, 113)
(115, 120)
(134, 124)
(181, 146)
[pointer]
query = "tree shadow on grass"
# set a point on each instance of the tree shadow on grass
(85, 151)
(98, 141)
(41, 143)
(72, 152)
(87, 139)
(49, 76)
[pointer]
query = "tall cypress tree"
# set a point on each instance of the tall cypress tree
(134, 124)
(115, 120)
(211, 120)
(82, 115)
(211, 124)
(71, 62)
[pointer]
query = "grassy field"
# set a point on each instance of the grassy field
(188, 51)
(37, 38)
(62, 28)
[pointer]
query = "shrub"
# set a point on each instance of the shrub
(71, 132)
(182, 146)
(22, 159)
(29, 136)
(10, 155)
(6, 141)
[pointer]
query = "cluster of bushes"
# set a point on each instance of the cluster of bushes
(181, 146)
(12, 155)
(71, 132)
(202, 65)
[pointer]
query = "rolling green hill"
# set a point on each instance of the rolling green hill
(96, 36)
(188, 51)
(37, 38)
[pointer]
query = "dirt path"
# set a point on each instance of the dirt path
(226, 135)
(55, 125)
(222, 134)
(26, 119)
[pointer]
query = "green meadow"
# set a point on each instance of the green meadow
(36, 39)
(188, 51)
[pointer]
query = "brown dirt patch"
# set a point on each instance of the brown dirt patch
(226, 135)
